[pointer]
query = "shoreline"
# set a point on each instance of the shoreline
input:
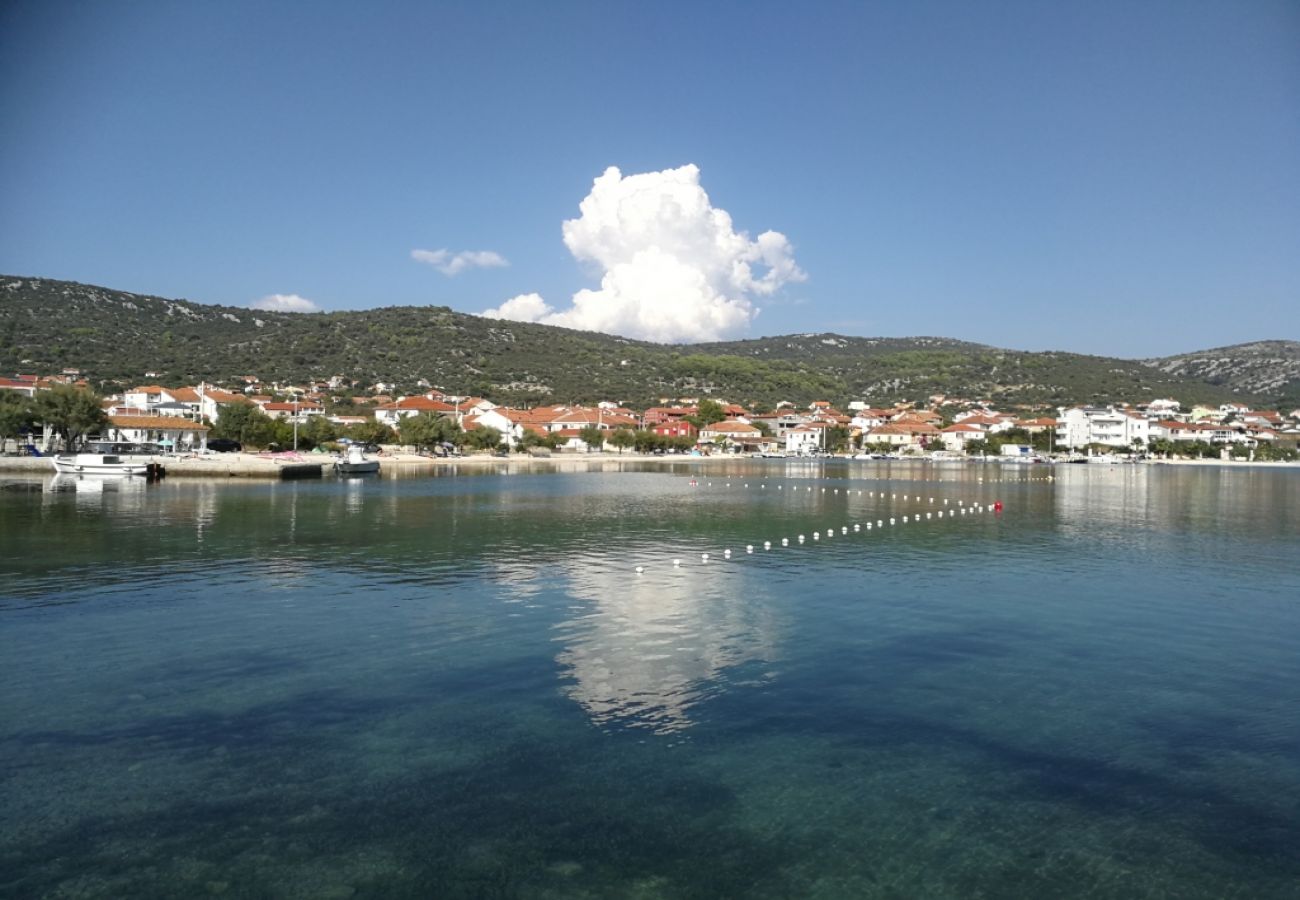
(260, 467)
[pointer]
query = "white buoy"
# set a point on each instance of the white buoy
(837, 490)
(857, 526)
(727, 554)
(945, 502)
(801, 538)
(640, 569)
(676, 563)
(904, 519)
(931, 499)
(868, 526)
(749, 548)
(704, 557)
(880, 523)
(927, 515)
(767, 545)
(817, 535)
(785, 542)
(891, 521)
(844, 530)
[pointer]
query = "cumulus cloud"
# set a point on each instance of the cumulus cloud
(672, 266)
(285, 303)
(450, 264)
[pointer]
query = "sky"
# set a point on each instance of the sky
(1113, 178)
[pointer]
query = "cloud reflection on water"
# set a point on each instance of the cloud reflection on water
(646, 651)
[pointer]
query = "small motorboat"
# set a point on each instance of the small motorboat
(354, 462)
(104, 464)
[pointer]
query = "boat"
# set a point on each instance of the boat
(354, 462)
(110, 464)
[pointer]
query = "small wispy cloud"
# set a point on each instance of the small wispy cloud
(450, 264)
(285, 303)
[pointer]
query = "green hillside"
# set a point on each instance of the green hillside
(116, 337)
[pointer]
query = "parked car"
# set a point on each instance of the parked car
(224, 445)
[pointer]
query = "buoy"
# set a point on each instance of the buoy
(844, 530)
(880, 523)
(997, 506)
(749, 548)
(868, 526)
(785, 542)
(640, 569)
(727, 554)
(801, 538)
(927, 515)
(857, 527)
(767, 545)
(891, 521)
(704, 557)
(676, 563)
(931, 499)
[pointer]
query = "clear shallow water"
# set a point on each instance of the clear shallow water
(459, 686)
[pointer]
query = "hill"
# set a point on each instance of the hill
(116, 337)
(1268, 369)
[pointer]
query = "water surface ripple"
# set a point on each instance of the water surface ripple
(461, 686)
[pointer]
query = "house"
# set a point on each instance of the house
(804, 440)
(726, 433)
(170, 431)
(909, 436)
(1083, 425)
(956, 436)
(674, 429)
(392, 414)
(298, 409)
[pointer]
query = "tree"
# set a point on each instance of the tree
(17, 415)
(593, 437)
(622, 438)
(428, 430)
(484, 437)
(317, 430)
(245, 423)
(708, 412)
(371, 432)
(837, 438)
(71, 412)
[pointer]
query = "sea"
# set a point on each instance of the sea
(759, 678)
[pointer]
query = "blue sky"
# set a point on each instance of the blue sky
(1113, 178)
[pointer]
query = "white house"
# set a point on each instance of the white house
(1081, 426)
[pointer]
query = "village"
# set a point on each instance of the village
(202, 418)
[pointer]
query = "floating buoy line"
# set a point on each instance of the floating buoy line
(935, 508)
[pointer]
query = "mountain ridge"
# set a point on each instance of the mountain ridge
(117, 336)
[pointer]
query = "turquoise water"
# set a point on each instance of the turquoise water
(460, 686)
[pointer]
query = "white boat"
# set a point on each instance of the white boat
(99, 464)
(354, 462)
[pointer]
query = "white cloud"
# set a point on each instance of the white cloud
(524, 308)
(450, 264)
(673, 268)
(285, 303)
